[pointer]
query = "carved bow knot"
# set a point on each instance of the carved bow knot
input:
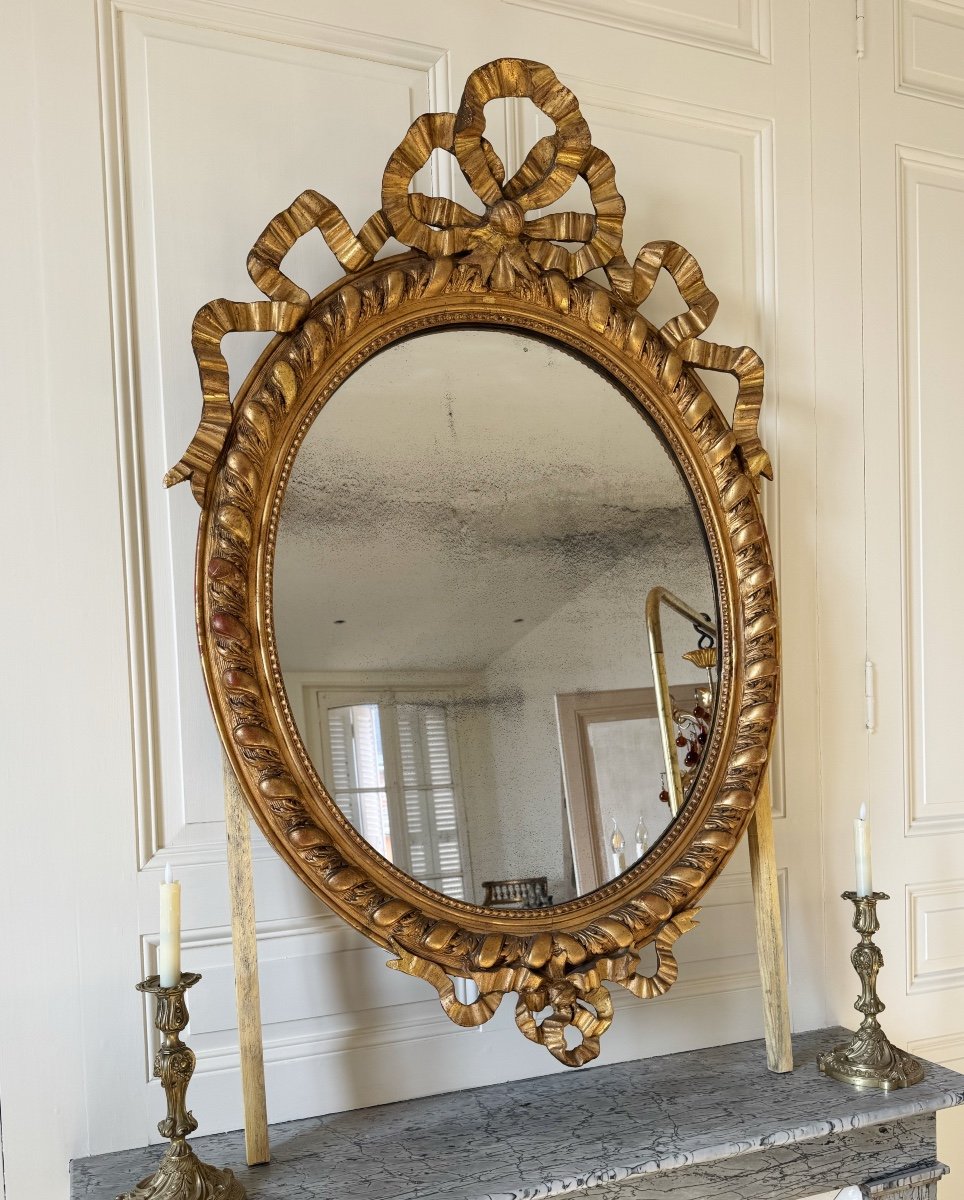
(499, 251)
(502, 242)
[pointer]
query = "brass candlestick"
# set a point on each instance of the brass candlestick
(869, 1059)
(181, 1175)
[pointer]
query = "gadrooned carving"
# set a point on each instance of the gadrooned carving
(503, 267)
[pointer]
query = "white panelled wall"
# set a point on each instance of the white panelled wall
(150, 143)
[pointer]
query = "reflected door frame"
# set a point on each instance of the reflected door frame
(575, 712)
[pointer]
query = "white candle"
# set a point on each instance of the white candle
(865, 884)
(169, 948)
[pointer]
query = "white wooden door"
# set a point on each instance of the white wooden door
(190, 123)
(912, 183)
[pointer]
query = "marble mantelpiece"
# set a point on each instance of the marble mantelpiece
(705, 1123)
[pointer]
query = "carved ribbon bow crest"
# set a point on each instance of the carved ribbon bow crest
(512, 241)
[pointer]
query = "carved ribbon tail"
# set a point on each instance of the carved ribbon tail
(667, 968)
(284, 311)
(682, 333)
(492, 986)
(623, 968)
(747, 366)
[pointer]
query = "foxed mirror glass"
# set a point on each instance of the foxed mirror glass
(468, 537)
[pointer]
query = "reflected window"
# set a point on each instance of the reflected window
(393, 777)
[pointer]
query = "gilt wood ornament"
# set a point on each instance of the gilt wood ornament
(506, 267)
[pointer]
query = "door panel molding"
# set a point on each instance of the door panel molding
(928, 484)
(746, 34)
(930, 50)
(175, 748)
(935, 924)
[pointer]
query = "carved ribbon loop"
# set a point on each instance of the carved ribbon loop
(552, 164)
(438, 226)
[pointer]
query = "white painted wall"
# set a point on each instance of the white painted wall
(150, 142)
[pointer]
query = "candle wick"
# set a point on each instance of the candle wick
(168, 874)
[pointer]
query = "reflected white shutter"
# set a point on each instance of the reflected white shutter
(341, 783)
(357, 772)
(431, 813)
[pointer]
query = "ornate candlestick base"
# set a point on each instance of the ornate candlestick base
(181, 1175)
(869, 1059)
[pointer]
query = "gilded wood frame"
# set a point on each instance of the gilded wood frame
(498, 269)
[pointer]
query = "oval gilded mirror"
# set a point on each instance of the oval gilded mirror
(468, 537)
(485, 600)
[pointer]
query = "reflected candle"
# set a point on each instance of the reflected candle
(169, 948)
(617, 845)
(865, 882)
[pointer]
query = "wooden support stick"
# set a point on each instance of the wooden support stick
(769, 933)
(246, 986)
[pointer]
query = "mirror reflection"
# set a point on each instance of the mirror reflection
(469, 536)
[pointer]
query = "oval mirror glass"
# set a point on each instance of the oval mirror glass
(471, 530)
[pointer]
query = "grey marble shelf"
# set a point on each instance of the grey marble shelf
(708, 1122)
